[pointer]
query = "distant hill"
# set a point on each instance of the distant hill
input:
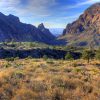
(85, 30)
(56, 31)
(12, 29)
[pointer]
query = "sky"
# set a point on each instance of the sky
(53, 13)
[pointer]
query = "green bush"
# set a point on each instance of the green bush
(32, 44)
(7, 65)
(10, 59)
(45, 57)
(97, 55)
(77, 70)
(87, 55)
(69, 56)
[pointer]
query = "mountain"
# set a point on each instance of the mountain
(46, 31)
(56, 31)
(85, 30)
(12, 29)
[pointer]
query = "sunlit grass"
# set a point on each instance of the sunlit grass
(35, 79)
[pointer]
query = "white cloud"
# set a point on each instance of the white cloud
(33, 7)
(87, 2)
(72, 17)
(54, 25)
(39, 7)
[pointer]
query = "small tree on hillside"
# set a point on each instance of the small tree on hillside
(31, 44)
(97, 55)
(69, 56)
(45, 57)
(87, 55)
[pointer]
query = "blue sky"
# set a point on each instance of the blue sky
(53, 13)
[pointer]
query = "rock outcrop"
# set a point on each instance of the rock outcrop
(46, 31)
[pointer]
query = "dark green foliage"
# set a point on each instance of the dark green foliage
(29, 57)
(7, 65)
(32, 44)
(69, 56)
(87, 55)
(45, 57)
(97, 55)
(10, 59)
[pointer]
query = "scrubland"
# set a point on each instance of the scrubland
(49, 79)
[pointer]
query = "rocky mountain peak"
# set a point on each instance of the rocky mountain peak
(41, 26)
(13, 18)
(46, 31)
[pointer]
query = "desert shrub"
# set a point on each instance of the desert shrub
(45, 57)
(97, 55)
(32, 44)
(10, 59)
(58, 82)
(57, 95)
(87, 88)
(68, 70)
(12, 45)
(38, 86)
(77, 69)
(7, 65)
(66, 84)
(70, 85)
(69, 56)
(16, 65)
(16, 58)
(87, 55)
(50, 61)
(29, 57)
(18, 74)
(24, 94)
(74, 64)
(6, 92)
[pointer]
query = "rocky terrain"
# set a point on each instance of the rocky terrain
(86, 29)
(12, 29)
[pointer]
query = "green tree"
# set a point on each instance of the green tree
(87, 55)
(45, 57)
(69, 56)
(97, 55)
(32, 44)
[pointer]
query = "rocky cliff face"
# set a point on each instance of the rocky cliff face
(46, 31)
(12, 29)
(86, 29)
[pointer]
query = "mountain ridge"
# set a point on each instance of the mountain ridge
(85, 30)
(12, 28)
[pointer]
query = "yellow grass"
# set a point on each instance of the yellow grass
(38, 79)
